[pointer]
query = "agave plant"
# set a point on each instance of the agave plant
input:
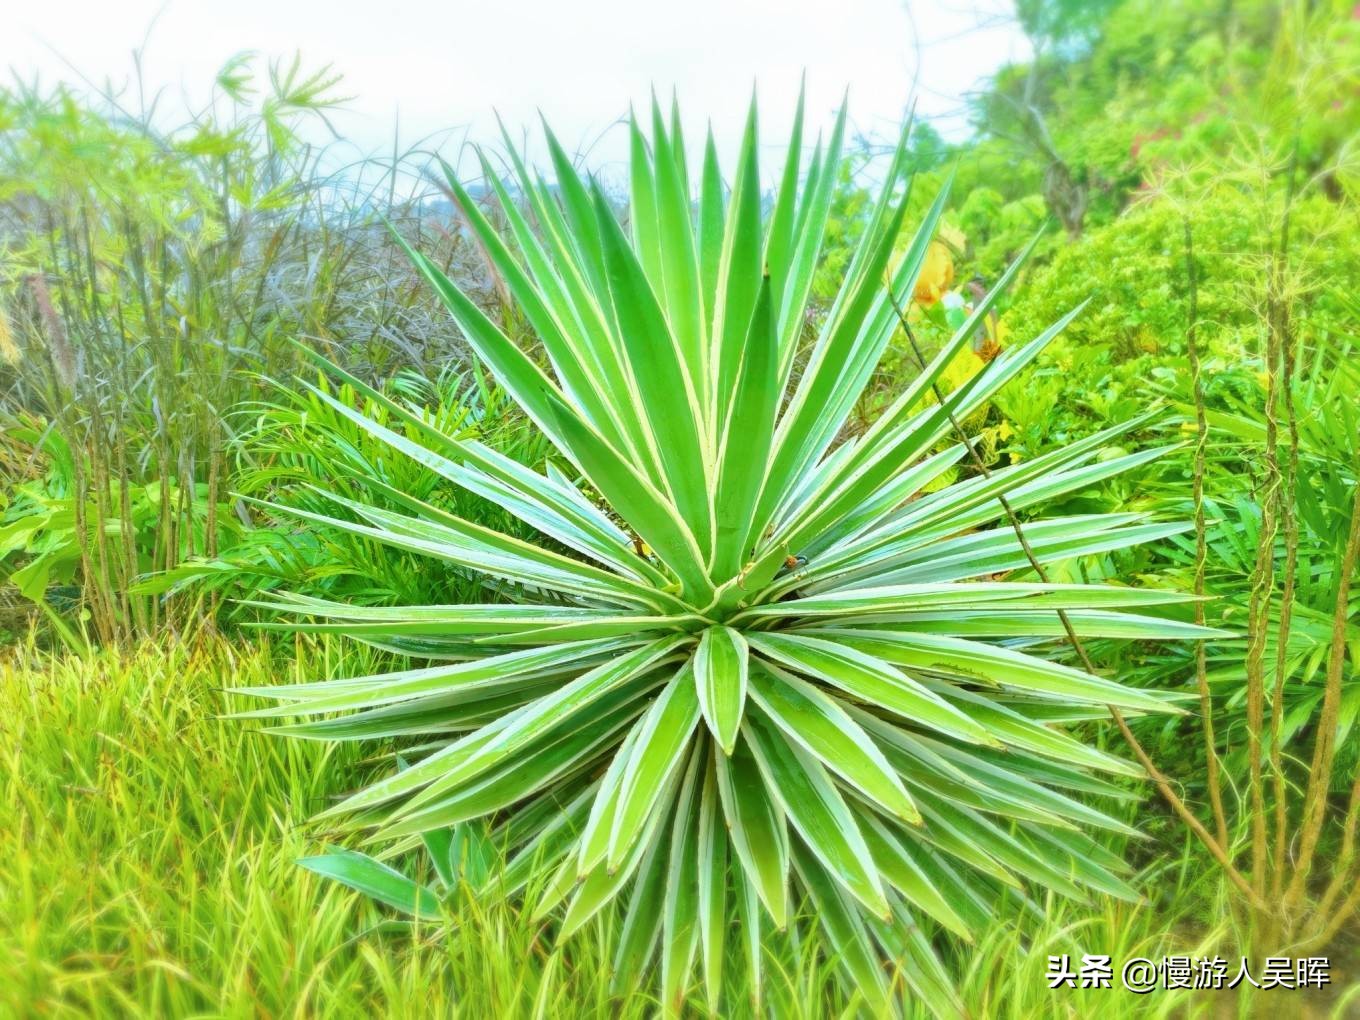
(749, 666)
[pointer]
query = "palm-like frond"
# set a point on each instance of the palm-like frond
(751, 666)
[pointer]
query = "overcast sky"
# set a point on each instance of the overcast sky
(439, 68)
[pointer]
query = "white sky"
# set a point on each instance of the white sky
(438, 68)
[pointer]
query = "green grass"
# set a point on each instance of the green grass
(147, 854)
(147, 849)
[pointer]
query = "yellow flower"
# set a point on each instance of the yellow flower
(937, 274)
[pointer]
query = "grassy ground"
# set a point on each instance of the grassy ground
(146, 868)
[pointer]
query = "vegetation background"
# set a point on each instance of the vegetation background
(1192, 168)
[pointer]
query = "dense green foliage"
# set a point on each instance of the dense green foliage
(1189, 171)
(150, 283)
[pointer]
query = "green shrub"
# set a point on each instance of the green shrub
(748, 666)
